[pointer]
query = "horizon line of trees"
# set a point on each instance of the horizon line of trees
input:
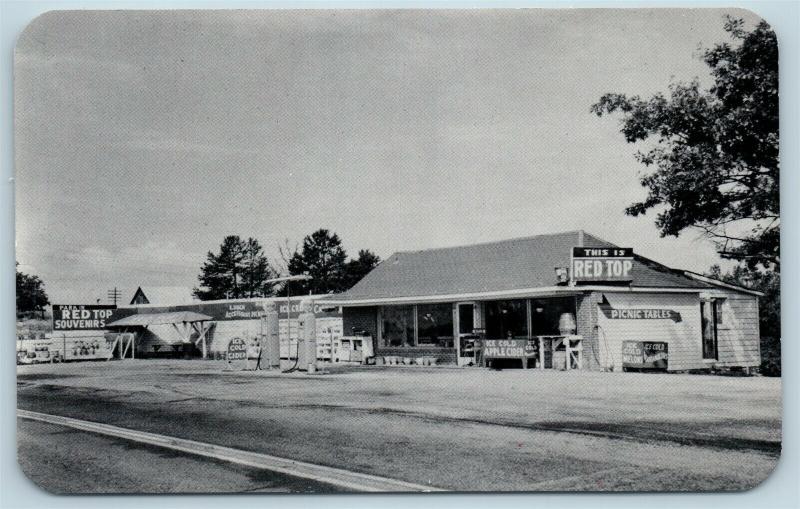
(241, 269)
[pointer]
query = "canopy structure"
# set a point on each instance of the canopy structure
(185, 324)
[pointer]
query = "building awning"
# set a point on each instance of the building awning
(146, 319)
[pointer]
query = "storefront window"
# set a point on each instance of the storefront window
(435, 325)
(398, 326)
(507, 319)
(545, 314)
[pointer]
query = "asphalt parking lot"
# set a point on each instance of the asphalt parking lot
(459, 429)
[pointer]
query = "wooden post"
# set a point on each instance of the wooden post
(541, 352)
(568, 352)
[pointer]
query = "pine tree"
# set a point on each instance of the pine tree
(239, 270)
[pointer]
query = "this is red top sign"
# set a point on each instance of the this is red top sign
(602, 264)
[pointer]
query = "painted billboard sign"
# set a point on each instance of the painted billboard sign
(82, 316)
(602, 264)
(645, 354)
(248, 310)
(237, 350)
(639, 313)
(508, 348)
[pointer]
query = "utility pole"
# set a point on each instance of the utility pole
(114, 295)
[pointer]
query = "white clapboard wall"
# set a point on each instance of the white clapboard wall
(684, 338)
(738, 337)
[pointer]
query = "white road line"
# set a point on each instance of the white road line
(343, 478)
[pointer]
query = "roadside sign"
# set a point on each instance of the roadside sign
(602, 264)
(645, 354)
(237, 352)
(508, 348)
(82, 316)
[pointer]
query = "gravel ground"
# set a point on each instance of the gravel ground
(462, 429)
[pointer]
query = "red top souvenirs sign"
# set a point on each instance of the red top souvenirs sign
(82, 316)
(602, 264)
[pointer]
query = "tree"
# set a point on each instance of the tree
(356, 269)
(714, 152)
(257, 271)
(324, 259)
(238, 271)
(31, 295)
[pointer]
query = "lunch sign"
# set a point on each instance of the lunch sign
(602, 264)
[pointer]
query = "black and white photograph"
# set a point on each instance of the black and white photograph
(397, 251)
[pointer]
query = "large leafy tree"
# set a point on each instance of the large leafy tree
(239, 270)
(712, 155)
(31, 294)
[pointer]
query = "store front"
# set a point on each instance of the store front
(563, 301)
(450, 329)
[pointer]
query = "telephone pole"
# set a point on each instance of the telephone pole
(114, 295)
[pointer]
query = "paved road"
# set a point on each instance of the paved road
(65, 460)
(453, 429)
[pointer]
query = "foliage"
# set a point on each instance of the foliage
(31, 294)
(714, 152)
(324, 259)
(769, 307)
(358, 268)
(239, 270)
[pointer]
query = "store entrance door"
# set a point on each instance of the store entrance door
(465, 316)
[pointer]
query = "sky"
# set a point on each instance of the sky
(143, 138)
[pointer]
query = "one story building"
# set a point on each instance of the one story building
(617, 308)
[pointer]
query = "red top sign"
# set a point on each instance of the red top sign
(602, 264)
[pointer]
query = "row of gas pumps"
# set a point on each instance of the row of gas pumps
(305, 355)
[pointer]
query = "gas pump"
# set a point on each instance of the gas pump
(307, 337)
(270, 340)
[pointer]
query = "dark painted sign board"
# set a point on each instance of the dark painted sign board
(639, 313)
(645, 354)
(508, 348)
(602, 252)
(596, 264)
(253, 310)
(83, 316)
(237, 350)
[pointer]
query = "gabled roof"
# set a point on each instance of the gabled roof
(164, 295)
(513, 265)
(721, 284)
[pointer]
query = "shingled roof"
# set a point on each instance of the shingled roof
(492, 267)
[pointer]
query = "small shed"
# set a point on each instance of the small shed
(185, 323)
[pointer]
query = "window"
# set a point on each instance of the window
(507, 319)
(466, 318)
(435, 325)
(545, 314)
(709, 318)
(397, 326)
